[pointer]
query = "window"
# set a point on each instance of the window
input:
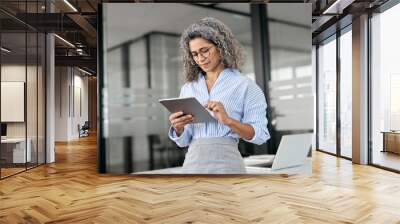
(346, 94)
(327, 96)
(385, 88)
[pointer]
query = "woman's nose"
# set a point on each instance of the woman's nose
(201, 58)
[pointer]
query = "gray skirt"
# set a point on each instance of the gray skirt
(213, 156)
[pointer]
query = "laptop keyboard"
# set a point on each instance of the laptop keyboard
(266, 165)
(259, 161)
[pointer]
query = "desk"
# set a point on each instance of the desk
(306, 169)
(391, 141)
(15, 148)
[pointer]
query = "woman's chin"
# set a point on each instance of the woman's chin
(206, 69)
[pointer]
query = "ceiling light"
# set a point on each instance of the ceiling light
(79, 51)
(84, 71)
(70, 5)
(5, 50)
(338, 6)
(333, 6)
(64, 40)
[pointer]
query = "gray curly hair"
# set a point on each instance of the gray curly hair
(217, 33)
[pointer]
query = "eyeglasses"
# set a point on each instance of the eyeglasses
(204, 52)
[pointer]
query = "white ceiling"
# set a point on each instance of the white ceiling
(240, 7)
(127, 21)
(292, 12)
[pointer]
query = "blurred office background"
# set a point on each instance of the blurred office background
(141, 63)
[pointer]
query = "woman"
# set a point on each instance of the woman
(212, 57)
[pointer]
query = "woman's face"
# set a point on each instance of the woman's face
(205, 54)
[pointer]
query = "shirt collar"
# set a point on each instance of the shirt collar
(221, 76)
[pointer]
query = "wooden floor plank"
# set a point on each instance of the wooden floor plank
(71, 191)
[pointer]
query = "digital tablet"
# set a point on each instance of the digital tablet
(188, 105)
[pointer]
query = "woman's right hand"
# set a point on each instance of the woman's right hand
(178, 121)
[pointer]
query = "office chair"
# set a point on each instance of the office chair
(84, 130)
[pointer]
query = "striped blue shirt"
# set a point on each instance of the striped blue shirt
(243, 100)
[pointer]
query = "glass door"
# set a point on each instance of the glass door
(327, 95)
(346, 92)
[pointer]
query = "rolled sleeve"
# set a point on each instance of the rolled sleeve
(184, 139)
(255, 114)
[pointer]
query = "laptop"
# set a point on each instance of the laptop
(292, 153)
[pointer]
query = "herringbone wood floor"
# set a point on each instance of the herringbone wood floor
(70, 191)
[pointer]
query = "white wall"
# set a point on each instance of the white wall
(17, 73)
(71, 87)
(33, 125)
(61, 103)
(12, 73)
(80, 94)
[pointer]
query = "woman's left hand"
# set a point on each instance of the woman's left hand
(219, 111)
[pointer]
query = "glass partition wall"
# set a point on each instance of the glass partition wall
(290, 86)
(22, 77)
(143, 71)
(13, 110)
(334, 101)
